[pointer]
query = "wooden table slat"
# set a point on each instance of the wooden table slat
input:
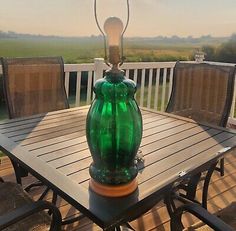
(46, 135)
(153, 154)
(5, 124)
(188, 164)
(75, 156)
(33, 139)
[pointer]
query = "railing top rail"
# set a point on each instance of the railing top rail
(79, 67)
(144, 65)
(147, 65)
(137, 65)
(221, 63)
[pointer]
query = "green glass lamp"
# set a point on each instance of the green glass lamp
(114, 122)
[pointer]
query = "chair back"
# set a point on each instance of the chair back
(202, 92)
(34, 85)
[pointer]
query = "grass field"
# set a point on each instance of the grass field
(73, 51)
(84, 50)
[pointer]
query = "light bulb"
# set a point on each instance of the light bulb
(113, 27)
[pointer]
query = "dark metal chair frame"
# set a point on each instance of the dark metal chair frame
(198, 211)
(29, 63)
(20, 213)
(24, 62)
(19, 170)
(230, 89)
(191, 186)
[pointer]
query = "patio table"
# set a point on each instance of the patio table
(53, 148)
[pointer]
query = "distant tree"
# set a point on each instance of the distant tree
(227, 51)
(233, 38)
(209, 52)
(206, 36)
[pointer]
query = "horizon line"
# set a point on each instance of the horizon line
(9, 32)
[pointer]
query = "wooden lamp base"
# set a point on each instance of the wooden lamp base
(113, 191)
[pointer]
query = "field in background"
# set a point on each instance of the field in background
(84, 50)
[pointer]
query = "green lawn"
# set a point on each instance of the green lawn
(85, 50)
(73, 51)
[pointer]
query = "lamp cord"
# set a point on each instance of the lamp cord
(122, 35)
(104, 36)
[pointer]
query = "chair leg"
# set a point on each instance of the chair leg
(222, 167)
(175, 220)
(192, 186)
(54, 198)
(170, 205)
(176, 223)
(17, 172)
(206, 185)
(21, 172)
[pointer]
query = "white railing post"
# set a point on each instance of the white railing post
(170, 82)
(98, 68)
(163, 96)
(78, 89)
(67, 81)
(156, 97)
(142, 87)
(149, 99)
(234, 100)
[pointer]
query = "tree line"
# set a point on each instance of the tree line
(226, 52)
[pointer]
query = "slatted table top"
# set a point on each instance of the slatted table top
(53, 147)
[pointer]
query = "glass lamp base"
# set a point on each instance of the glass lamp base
(113, 191)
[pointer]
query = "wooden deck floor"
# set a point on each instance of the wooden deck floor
(222, 193)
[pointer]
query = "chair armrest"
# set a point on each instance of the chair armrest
(29, 209)
(197, 210)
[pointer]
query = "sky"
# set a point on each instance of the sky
(148, 18)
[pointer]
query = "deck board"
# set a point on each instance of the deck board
(221, 193)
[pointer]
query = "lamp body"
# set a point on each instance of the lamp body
(114, 130)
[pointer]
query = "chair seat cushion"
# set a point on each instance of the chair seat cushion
(12, 196)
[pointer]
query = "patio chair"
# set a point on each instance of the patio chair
(33, 86)
(202, 92)
(19, 212)
(210, 221)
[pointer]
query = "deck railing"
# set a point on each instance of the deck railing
(154, 82)
(153, 79)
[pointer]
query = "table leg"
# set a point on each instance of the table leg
(17, 172)
(206, 185)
